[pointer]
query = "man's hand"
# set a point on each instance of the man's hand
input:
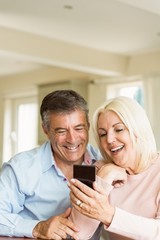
(57, 228)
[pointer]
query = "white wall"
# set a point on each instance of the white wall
(92, 87)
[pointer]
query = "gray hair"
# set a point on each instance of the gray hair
(62, 102)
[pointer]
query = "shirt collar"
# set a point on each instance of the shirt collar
(87, 159)
(49, 160)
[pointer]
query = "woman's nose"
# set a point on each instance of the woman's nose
(110, 137)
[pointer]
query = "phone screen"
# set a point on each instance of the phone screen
(85, 174)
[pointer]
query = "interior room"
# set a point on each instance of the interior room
(100, 48)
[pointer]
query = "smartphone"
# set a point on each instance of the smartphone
(85, 173)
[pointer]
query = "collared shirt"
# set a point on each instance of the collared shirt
(32, 189)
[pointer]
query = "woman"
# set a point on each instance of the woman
(130, 210)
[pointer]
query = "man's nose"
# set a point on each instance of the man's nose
(71, 136)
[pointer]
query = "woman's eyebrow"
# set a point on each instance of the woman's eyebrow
(117, 123)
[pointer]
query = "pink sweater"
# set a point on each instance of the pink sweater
(137, 214)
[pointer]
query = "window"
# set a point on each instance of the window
(20, 126)
(133, 90)
(26, 129)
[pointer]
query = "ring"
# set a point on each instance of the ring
(79, 203)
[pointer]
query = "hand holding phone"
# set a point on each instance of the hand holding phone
(85, 174)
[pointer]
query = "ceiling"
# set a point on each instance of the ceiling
(122, 27)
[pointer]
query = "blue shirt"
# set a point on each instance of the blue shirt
(32, 189)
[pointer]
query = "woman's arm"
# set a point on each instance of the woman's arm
(106, 175)
(111, 174)
(114, 219)
(134, 227)
(87, 226)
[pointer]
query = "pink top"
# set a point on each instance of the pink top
(137, 214)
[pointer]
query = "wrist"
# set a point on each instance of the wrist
(35, 231)
(110, 215)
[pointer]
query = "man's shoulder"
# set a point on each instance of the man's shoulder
(26, 158)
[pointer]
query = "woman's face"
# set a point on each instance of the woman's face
(115, 140)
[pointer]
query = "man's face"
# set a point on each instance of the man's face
(68, 134)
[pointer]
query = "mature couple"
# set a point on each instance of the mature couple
(39, 197)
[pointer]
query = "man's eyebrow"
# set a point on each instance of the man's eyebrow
(59, 128)
(63, 128)
(80, 125)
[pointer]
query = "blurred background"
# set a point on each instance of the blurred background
(100, 48)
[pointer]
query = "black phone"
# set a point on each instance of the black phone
(85, 173)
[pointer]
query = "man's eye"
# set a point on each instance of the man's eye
(61, 132)
(79, 128)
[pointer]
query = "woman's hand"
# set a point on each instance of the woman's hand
(91, 203)
(113, 174)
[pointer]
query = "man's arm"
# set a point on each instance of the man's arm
(11, 204)
(18, 222)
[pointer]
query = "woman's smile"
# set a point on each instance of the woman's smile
(115, 139)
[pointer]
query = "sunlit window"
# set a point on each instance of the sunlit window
(132, 90)
(20, 126)
(27, 126)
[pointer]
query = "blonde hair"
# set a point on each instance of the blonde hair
(135, 119)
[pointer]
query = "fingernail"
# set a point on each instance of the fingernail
(68, 183)
(95, 183)
(73, 180)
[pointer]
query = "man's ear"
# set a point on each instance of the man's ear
(45, 129)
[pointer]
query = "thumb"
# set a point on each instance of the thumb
(67, 213)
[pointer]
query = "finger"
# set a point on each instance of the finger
(64, 228)
(78, 195)
(59, 235)
(71, 234)
(77, 187)
(69, 230)
(68, 224)
(118, 184)
(86, 209)
(83, 206)
(101, 189)
(67, 213)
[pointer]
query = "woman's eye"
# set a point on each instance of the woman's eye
(119, 130)
(102, 134)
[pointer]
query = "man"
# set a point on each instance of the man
(34, 195)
